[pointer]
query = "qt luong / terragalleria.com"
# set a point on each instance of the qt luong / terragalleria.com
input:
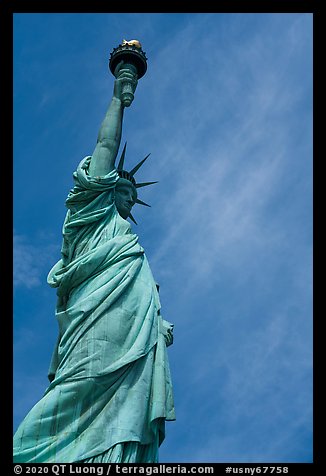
(59, 469)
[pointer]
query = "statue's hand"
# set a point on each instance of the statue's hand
(126, 81)
(167, 331)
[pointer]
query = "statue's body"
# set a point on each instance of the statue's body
(110, 390)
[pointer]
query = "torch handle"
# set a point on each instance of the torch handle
(128, 84)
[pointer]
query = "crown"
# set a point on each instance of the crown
(130, 176)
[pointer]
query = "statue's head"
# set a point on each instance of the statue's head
(125, 197)
(126, 188)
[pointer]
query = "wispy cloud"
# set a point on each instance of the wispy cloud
(232, 215)
(31, 261)
(224, 174)
(240, 389)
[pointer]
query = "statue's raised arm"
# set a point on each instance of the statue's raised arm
(109, 136)
(110, 390)
(128, 63)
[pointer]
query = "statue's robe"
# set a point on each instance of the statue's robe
(110, 390)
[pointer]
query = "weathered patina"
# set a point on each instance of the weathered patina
(110, 389)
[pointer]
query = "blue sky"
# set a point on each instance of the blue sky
(225, 109)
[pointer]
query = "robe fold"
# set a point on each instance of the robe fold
(110, 378)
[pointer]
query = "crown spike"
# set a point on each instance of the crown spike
(134, 170)
(122, 158)
(144, 184)
(140, 202)
(132, 218)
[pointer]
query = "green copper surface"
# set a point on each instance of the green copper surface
(110, 389)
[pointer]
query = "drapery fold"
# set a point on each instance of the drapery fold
(110, 378)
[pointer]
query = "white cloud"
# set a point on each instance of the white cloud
(224, 171)
(31, 261)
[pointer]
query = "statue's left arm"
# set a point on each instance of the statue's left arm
(167, 330)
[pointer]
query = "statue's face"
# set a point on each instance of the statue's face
(125, 197)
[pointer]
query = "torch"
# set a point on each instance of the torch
(134, 59)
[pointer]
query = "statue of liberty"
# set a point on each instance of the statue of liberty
(110, 389)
